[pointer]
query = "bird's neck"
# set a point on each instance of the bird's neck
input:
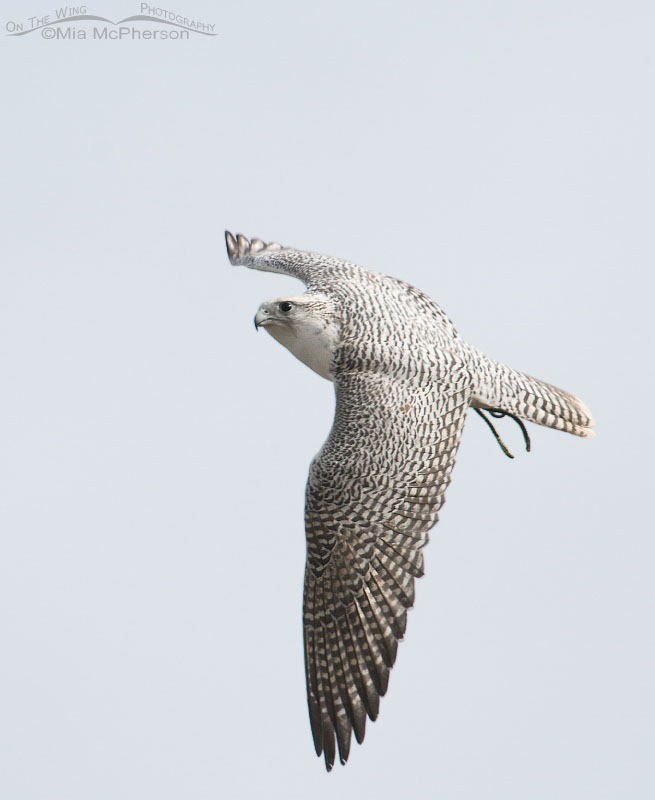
(312, 342)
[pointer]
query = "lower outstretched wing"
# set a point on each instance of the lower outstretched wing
(373, 494)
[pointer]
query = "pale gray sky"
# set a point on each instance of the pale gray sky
(154, 449)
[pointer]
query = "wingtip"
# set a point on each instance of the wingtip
(240, 247)
(586, 422)
(243, 245)
(231, 244)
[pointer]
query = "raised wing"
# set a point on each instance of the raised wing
(373, 494)
(311, 268)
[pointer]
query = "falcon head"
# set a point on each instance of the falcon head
(294, 313)
(306, 325)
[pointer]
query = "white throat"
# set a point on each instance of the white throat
(313, 342)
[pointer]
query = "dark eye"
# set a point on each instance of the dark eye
(285, 306)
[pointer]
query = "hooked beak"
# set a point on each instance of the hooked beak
(261, 318)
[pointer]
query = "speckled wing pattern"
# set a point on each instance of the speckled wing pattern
(373, 494)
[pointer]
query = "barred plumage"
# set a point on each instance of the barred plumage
(404, 381)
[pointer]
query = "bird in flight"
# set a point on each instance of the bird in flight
(404, 381)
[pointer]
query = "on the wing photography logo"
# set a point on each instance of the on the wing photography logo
(75, 22)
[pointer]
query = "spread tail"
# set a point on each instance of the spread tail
(501, 387)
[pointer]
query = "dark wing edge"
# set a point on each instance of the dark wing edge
(373, 494)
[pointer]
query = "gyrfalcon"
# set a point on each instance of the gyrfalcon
(404, 381)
